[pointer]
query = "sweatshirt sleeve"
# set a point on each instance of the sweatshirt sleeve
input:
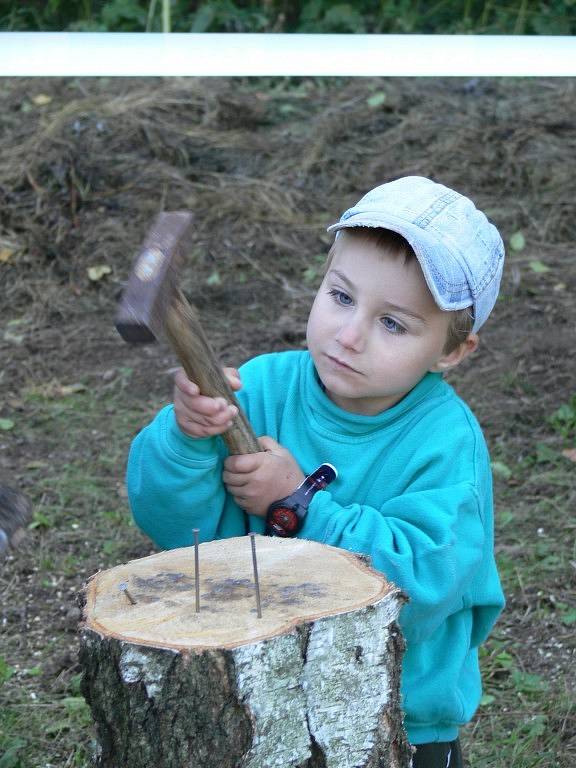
(175, 484)
(428, 542)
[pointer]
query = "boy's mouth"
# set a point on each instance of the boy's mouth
(341, 364)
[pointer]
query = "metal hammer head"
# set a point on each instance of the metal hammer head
(152, 282)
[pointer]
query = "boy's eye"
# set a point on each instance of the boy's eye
(340, 297)
(392, 325)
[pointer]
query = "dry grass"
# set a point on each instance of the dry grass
(266, 165)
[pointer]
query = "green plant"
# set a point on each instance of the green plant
(564, 419)
(6, 671)
(10, 757)
(364, 16)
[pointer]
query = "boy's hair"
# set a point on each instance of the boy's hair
(392, 243)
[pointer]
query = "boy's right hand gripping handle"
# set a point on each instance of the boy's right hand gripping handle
(188, 340)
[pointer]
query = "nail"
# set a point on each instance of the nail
(124, 588)
(196, 532)
(256, 581)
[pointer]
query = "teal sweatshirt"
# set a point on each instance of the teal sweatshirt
(414, 492)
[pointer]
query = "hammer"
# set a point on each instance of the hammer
(152, 303)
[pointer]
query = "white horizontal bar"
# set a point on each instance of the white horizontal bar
(114, 53)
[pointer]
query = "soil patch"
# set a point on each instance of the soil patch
(266, 165)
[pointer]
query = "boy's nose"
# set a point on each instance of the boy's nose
(351, 335)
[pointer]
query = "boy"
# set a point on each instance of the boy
(412, 275)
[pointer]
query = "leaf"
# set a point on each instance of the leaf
(564, 419)
(537, 725)
(98, 272)
(10, 758)
(539, 267)
(57, 727)
(487, 699)
(109, 547)
(517, 241)
(376, 100)
(214, 279)
(40, 520)
(529, 683)
(71, 389)
(13, 338)
(569, 617)
(504, 660)
(6, 671)
(501, 470)
(41, 99)
(310, 275)
(343, 17)
(123, 16)
(74, 703)
(505, 516)
(203, 18)
(53, 390)
(74, 683)
(5, 255)
(312, 10)
(32, 671)
(545, 454)
(6, 424)
(570, 454)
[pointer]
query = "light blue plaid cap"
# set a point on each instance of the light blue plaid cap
(460, 252)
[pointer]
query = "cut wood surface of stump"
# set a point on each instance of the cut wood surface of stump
(313, 683)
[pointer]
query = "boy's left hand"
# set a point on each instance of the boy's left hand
(255, 480)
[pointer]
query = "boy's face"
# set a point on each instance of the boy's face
(374, 329)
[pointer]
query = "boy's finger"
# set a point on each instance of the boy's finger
(196, 419)
(209, 406)
(234, 480)
(268, 443)
(233, 377)
(197, 429)
(184, 384)
(247, 462)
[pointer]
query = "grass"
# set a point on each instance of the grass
(528, 709)
(81, 523)
(35, 725)
(66, 438)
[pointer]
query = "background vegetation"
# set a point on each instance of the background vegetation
(87, 165)
(518, 17)
(266, 164)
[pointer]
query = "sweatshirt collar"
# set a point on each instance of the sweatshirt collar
(332, 418)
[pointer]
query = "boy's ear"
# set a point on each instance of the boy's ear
(452, 359)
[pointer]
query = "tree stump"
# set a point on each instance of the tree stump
(313, 683)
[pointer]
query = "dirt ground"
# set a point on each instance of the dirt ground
(266, 165)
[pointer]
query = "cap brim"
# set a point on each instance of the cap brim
(420, 240)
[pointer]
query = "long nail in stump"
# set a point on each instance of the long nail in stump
(256, 581)
(196, 532)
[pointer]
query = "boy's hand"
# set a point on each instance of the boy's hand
(201, 416)
(255, 480)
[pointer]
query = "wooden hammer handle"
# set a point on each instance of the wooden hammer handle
(188, 340)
